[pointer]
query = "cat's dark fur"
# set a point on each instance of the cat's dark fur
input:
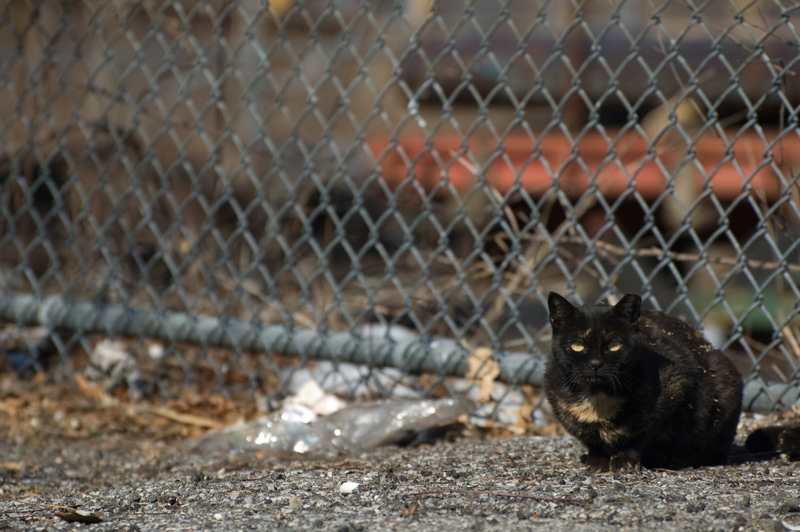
(640, 388)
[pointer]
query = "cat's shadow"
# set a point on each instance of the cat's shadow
(740, 455)
(737, 456)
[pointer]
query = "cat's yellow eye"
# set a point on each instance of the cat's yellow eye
(576, 347)
(614, 346)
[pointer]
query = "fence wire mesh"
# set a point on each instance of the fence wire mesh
(373, 191)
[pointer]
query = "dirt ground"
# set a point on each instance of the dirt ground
(115, 466)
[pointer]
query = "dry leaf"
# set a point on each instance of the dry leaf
(409, 509)
(12, 466)
(186, 419)
(92, 390)
(483, 370)
(78, 516)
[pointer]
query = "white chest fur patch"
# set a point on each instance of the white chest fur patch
(596, 408)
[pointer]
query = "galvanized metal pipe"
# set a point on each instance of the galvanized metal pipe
(447, 358)
(411, 355)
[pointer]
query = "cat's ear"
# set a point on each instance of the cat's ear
(629, 307)
(560, 310)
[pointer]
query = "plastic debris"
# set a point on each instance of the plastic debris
(112, 363)
(296, 429)
(26, 349)
(312, 396)
(21, 362)
(355, 380)
(156, 351)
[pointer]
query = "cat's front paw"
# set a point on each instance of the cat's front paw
(597, 462)
(625, 461)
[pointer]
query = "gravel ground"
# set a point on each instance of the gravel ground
(521, 483)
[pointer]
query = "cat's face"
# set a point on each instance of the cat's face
(594, 345)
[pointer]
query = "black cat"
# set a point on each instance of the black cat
(640, 388)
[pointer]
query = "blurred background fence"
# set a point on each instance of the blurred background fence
(225, 194)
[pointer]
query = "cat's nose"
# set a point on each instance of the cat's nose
(594, 363)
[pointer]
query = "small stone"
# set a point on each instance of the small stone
(786, 506)
(695, 506)
(744, 502)
(350, 527)
(346, 488)
(295, 503)
(772, 525)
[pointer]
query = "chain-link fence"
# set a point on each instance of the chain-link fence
(379, 190)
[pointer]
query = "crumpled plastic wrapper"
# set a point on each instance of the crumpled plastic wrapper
(296, 429)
